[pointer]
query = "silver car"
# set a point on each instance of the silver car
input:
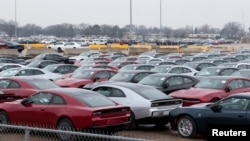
(149, 105)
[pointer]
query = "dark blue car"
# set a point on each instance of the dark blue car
(228, 113)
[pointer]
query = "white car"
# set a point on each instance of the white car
(177, 69)
(34, 72)
(148, 105)
(56, 45)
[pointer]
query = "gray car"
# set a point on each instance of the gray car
(149, 105)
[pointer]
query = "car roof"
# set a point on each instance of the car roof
(136, 71)
(244, 95)
(226, 77)
(71, 91)
(126, 85)
(168, 74)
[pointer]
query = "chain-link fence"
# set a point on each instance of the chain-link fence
(25, 133)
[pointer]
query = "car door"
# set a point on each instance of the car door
(232, 112)
(227, 72)
(32, 113)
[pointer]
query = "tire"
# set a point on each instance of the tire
(4, 119)
(161, 124)
(186, 127)
(133, 125)
(66, 125)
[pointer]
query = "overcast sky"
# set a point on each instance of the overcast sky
(175, 13)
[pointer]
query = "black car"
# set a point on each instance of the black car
(41, 63)
(14, 45)
(232, 111)
(18, 60)
(169, 82)
(61, 68)
(50, 56)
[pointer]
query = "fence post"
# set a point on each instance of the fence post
(27, 135)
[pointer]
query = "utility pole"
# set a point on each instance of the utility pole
(131, 17)
(15, 21)
(160, 18)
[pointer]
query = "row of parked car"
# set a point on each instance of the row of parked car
(119, 92)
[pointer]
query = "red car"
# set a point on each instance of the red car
(66, 109)
(79, 78)
(212, 89)
(21, 87)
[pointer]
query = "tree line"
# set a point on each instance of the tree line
(231, 30)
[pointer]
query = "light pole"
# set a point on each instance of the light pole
(130, 16)
(160, 19)
(15, 21)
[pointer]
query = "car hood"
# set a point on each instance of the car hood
(71, 81)
(194, 92)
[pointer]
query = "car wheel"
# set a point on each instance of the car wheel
(4, 119)
(186, 127)
(161, 124)
(133, 123)
(66, 125)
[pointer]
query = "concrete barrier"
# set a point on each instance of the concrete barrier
(136, 51)
(204, 48)
(37, 51)
(167, 50)
(192, 50)
(11, 52)
(29, 46)
(119, 46)
(106, 50)
(148, 47)
(75, 51)
(97, 47)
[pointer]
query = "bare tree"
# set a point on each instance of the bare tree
(232, 30)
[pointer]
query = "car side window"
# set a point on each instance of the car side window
(4, 84)
(102, 74)
(234, 104)
(37, 72)
(41, 98)
(187, 80)
(247, 83)
(227, 72)
(24, 73)
(57, 100)
(13, 84)
(186, 70)
(175, 70)
(174, 80)
(236, 84)
(111, 74)
(242, 67)
(106, 91)
(117, 93)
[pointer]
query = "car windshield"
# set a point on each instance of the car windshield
(153, 80)
(208, 72)
(42, 84)
(9, 72)
(211, 83)
(151, 93)
(192, 65)
(161, 69)
(83, 74)
(95, 100)
(40, 56)
(129, 67)
(122, 76)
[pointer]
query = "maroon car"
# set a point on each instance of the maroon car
(21, 87)
(213, 89)
(79, 78)
(66, 109)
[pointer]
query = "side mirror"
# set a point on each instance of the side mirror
(195, 74)
(228, 89)
(165, 85)
(26, 102)
(95, 79)
(216, 107)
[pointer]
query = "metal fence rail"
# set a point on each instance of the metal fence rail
(25, 133)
